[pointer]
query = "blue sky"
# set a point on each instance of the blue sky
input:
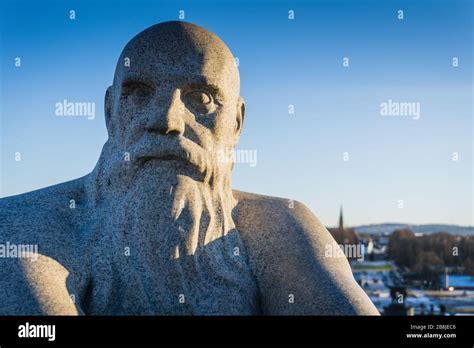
(282, 62)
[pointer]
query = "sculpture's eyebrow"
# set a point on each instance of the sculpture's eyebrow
(196, 82)
(137, 80)
(199, 80)
(209, 87)
(202, 82)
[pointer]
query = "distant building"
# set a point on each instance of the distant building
(375, 251)
(344, 235)
(383, 239)
(456, 281)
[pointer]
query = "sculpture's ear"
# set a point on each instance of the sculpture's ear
(108, 107)
(240, 118)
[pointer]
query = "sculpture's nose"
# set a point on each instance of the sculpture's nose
(168, 119)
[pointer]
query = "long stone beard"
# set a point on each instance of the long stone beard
(186, 255)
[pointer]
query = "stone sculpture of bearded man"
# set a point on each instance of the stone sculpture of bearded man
(156, 228)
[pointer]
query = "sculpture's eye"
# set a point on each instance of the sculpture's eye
(137, 90)
(200, 101)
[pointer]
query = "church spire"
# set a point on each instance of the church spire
(341, 219)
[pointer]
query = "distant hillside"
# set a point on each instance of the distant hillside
(424, 229)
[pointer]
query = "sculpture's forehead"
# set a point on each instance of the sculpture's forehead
(179, 51)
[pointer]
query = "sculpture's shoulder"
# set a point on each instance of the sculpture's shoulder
(286, 246)
(40, 222)
(273, 226)
(41, 210)
(273, 213)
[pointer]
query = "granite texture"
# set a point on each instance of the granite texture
(155, 228)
